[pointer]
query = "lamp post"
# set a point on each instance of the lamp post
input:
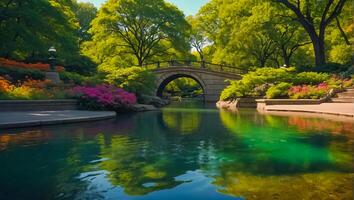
(52, 75)
(52, 51)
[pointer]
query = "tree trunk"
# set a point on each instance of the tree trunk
(262, 62)
(140, 61)
(286, 57)
(318, 47)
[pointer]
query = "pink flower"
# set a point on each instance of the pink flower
(107, 96)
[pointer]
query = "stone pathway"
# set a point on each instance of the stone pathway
(344, 109)
(38, 118)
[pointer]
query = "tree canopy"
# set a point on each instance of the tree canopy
(260, 33)
(126, 33)
(138, 31)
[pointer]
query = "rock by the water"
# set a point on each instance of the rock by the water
(156, 101)
(143, 108)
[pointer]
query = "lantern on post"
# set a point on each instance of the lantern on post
(52, 51)
(52, 75)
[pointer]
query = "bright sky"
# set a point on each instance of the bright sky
(189, 7)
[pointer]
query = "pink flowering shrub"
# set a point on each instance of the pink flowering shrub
(309, 91)
(104, 97)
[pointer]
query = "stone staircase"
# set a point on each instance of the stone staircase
(344, 97)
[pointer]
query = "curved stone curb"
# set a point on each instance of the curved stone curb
(341, 109)
(311, 111)
(21, 120)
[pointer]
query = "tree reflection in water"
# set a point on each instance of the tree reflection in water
(181, 153)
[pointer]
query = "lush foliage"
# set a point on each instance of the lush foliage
(134, 79)
(268, 32)
(75, 78)
(250, 82)
(104, 97)
(308, 91)
(133, 32)
(278, 91)
(310, 78)
(29, 27)
(30, 90)
(183, 87)
(275, 82)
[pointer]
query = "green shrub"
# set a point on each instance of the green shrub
(72, 77)
(278, 91)
(310, 78)
(234, 90)
(255, 83)
(19, 74)
(268, 75)
(134, 79)
(248, 85)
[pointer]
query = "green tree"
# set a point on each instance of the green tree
(28, 28)
(315, 16)
(142, 28)
(85, 13)
(198, 39)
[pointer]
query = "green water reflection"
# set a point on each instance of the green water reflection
(182, 152)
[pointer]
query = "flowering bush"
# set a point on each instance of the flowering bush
(134, 79)
(104, 97)
(4, 85)
(40, 66)
(308, 91)
(309, 84)
(337, 83)
(30, 90)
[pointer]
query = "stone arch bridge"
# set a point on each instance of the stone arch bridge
(211, 77)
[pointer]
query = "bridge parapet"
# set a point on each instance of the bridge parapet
(195, 64)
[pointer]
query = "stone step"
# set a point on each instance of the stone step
(348, 91)
(345, 95)
(342, 100)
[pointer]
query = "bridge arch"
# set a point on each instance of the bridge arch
(212, 82)
(164, 81)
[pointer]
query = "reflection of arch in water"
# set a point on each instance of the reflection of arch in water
(182, 122)
(187, 122)
(164, 82)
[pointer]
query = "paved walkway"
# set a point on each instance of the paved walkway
(38, 118)
(343, 109)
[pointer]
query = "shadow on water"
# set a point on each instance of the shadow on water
(186, 151)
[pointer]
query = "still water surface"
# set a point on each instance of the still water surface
(183, 152)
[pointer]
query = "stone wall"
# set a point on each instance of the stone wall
(37, 105)
(262, 103)
(237, 103)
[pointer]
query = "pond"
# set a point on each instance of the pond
(185, 151)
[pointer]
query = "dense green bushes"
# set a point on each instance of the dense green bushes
(310, 78)
(75, 78)
(276, 83)
(134, 79)
(278, 91)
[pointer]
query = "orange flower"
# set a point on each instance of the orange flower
(39, 66)
(5, 85)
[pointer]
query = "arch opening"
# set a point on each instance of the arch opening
(181, 85)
